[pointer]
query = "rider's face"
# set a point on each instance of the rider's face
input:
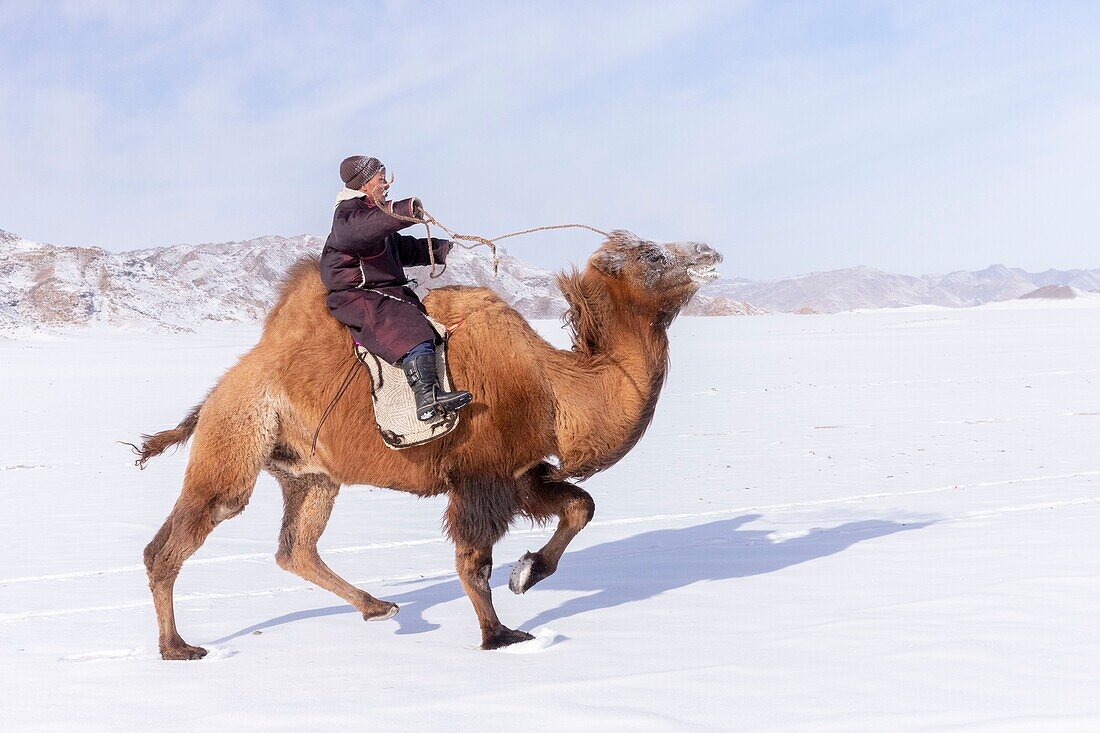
(377, 188)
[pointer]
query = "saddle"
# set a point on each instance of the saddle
(395, 405)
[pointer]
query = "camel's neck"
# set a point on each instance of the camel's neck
(606, 389)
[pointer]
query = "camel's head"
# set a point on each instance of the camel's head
(660, 276)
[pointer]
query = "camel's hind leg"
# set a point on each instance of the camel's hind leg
(197, 512)
(235, 431)
(543, 499)
(307, 502)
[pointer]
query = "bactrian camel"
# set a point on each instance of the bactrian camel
(539, 416)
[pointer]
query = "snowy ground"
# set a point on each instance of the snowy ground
(861, 521)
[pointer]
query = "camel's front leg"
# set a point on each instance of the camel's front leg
(475, 566)
(543, 499)
(478, 515)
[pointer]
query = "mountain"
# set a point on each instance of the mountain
(171, 288)
(183, 286)
(710, 305)
(1053, 292)
(180, 287)
(866, 287)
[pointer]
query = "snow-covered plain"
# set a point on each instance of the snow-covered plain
(869, 520)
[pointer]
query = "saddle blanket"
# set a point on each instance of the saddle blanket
(395, 404)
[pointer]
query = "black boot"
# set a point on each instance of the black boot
(430, 397)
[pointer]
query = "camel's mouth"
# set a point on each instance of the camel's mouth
(703, 274)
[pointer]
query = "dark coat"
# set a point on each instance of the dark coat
(362, 265)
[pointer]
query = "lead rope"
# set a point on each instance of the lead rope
(428, 220)
(339, 393)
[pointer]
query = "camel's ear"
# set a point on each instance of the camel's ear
(608, 262)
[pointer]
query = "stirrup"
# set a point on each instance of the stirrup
(456, 400)
(428, 412)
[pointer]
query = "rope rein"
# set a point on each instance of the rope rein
(478, 241)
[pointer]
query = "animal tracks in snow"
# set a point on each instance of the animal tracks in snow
(113, 655)
(974, 421)
(926, 323)
(856, 498)
(796, 386)
(216, 561)
(51, 613)
(547, 637)
(545, 531)
(140, 653)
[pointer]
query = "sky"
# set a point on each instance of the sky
(792, 136)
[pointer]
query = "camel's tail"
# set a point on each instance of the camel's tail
(155, 444)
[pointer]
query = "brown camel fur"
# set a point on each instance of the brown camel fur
(532, 403)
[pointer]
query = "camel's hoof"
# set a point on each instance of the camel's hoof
(182, 651)
(382, 611)
(505, 637)
(527, 571)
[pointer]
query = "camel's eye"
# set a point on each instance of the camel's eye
(653, 255)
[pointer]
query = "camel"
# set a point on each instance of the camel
(540, 416)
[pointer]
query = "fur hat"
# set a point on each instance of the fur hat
(357, 170)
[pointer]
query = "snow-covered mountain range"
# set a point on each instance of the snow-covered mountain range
(866, 287)
(183, 286)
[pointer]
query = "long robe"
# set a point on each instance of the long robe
(362, 265)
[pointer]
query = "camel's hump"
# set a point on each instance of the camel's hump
(461, 301)
(302, 296)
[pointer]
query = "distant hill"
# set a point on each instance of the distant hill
(183, 286)
(866, 287)
(1052, 292)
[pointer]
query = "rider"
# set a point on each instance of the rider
(362, 265)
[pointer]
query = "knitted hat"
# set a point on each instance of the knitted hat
(357, 170)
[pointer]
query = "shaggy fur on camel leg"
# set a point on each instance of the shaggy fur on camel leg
(478, 515)
(545, 498)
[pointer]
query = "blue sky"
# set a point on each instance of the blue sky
(914, 137)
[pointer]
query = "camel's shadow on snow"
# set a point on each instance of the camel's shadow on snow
(636, 568)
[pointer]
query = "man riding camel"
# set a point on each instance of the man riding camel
(362, 265)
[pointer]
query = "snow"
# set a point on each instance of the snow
(865, 521)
